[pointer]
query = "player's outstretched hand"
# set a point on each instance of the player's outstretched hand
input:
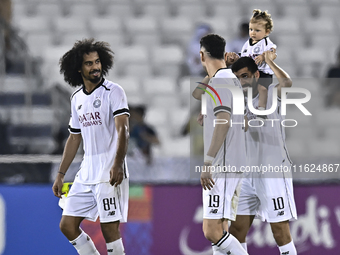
(116, 175)
(57, 186)
(231, 57)
(269, 55)
(207, 181)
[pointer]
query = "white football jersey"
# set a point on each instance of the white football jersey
(266, 145)
(233, 152)
(92, 116)
(253, 50)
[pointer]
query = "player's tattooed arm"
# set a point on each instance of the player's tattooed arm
(283, 77)
(70, 151)
(117, 170)
(198, 92)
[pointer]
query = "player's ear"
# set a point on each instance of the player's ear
(202, 56)
(257, 74)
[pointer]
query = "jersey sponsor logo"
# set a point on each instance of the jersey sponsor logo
(90, 119)
(285, 253)
(110, 250)
(97, 103)
(112, 213)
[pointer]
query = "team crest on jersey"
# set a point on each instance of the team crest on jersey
(97, 103)
(257, 49)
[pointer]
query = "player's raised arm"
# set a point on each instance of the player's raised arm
(198, 92)
(117, 171)
(283, 77)
(70, 151)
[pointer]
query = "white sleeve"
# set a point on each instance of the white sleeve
(74, 125)
(119, 104)
(242, 53)
(270, 45)
(225, 95)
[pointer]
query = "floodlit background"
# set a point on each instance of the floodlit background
(156, 50)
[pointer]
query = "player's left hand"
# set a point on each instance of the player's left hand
(259, 59)
(207, 181)
(231, 57)
(200, 118)
(116, 175)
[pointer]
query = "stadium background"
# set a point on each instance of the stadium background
(150, 40)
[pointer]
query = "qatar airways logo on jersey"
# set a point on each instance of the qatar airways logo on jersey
(239, 107)
(90, 119)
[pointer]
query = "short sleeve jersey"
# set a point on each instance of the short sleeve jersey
(253, 50)
(92, 116)
(233, 152)
(266, 145)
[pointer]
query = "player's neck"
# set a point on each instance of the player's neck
(214, 65)
(90, 86)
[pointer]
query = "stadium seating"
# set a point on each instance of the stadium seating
(48, 10)
(156, 9)
(150, 37)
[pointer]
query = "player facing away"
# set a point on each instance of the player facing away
(224, 145)
(99, 118)
(260, 26)
(268, 196)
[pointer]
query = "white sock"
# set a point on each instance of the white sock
(84, 245)
(228, 244)
(115, 247)
(288, 249)
(244, 245)
(215, 250)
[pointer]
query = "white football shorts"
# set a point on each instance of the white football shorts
(270, 199)
(221, 201)
(90, 201)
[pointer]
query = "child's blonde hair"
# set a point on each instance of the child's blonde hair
(259, 15)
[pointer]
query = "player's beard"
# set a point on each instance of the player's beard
(95, 79)
(253, 85)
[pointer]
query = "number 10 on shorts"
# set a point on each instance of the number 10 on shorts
(109, 201)
(278, 203)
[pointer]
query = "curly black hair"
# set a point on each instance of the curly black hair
(71, 62)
